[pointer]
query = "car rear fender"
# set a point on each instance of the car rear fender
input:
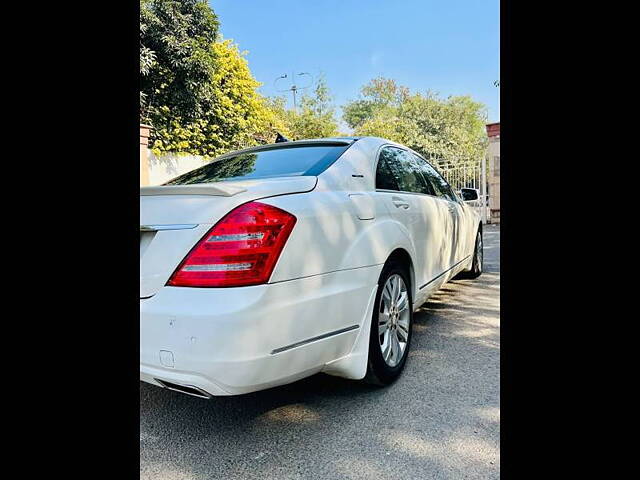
(329, 236)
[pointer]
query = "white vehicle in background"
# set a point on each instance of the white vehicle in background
(277, 262)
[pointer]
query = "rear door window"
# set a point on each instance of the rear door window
(385, 180)
(404, 170)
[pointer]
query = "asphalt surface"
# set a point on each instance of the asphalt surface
(441, 419)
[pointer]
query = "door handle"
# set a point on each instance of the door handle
(400, 203)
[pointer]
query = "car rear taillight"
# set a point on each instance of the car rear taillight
(241, 249)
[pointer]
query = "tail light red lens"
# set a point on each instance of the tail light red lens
(241, 249)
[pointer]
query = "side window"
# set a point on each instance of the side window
(384, 178)
(440, 185)
(405, 170)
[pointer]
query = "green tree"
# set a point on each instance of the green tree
(378, 96)
(451, 129)
(281, 117)
(196, 91)
(179, 35)
(315, 117)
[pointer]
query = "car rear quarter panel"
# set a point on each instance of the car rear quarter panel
(329, 236)
(335, 228)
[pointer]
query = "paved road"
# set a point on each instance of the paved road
(441, 419)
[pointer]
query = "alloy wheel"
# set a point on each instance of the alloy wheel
(479, 252)
(393, 320)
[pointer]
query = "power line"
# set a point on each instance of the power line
(293, 88)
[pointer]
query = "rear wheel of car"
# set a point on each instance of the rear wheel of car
(478, 257)
(390, 326)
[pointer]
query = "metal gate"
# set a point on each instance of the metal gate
(469, 174)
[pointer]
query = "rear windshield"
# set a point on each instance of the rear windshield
(274, 162)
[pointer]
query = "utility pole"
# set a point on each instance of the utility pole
(293, 88)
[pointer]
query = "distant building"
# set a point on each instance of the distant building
(493, 174)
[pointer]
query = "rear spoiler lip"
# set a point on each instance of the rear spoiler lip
(196, 189)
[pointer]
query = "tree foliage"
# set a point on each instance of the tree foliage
(315, 117)
(196, 91)
(377, 97)
(178, 34)
(451, 129)
(199, 95)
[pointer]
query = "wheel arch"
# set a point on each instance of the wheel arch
(354, 365)
(403, 257)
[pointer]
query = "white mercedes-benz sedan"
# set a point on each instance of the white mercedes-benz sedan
(277, 262)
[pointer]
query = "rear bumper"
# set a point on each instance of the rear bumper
(229, 341)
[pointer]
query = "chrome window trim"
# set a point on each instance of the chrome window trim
(444, 199)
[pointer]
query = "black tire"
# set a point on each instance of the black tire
(379, 372)
(478, 258)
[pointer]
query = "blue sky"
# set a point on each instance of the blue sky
(449, 46)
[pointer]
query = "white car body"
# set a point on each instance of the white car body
(314, 313)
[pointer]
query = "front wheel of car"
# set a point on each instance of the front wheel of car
(390, 326)
(478, 258)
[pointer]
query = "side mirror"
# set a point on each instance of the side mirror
(469, 194)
